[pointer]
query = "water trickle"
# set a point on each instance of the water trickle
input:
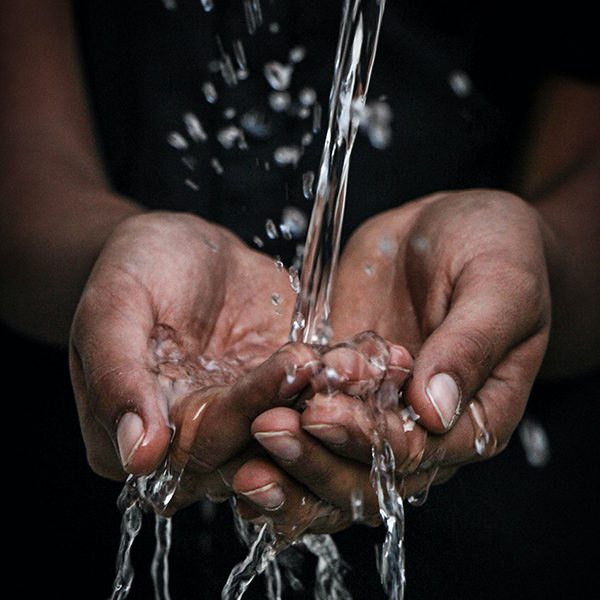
(160, 561)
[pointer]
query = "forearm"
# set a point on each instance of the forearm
(57, 208)
(561, 178)
(572, 210)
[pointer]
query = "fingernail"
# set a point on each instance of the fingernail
(444, 396)
(280, 443)
(332, 434)
(130, 434)
(268, 496)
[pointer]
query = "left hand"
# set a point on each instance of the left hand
(461, 281)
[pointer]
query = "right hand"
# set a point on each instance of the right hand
(177, 322)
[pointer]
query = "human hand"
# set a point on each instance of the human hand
(461, 281)
(169, 350)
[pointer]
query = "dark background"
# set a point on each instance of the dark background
(503, 529)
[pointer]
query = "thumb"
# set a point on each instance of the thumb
(122, 409)
(488, 318)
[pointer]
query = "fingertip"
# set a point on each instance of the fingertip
(142, 446)
(436, 399)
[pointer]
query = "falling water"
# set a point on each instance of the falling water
(354, 61)
(355, 57)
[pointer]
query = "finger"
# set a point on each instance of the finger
(486, 320)
(327, 475)
(213, 425)
(346, 426)
(264, 489)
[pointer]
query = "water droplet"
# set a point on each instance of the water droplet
(279, 263)
(231, 136)
(419, 244)
(308, 179)
(229, 113)
(271, 229)
(253, 14)
(307, 96)
(194, 127)
(279, 101)
(208, 5)
(307, 139)
(290, 373)
(227, 71)
(258, 241)
(279, 76)
(285, 231)
(287, 155)
(297, 54)
(317, 117)
(176, 140)
(369, 270)
(255, 123)
(375, 120)
(357, 504)
(409, 418)
(191, 184)
(274, 27)
(295, 221)
(170, 4)
(535, 442)
(276, 299)
(215, 163)
(210, 92)
(294, 279)
(190, 162)
(240, 55)
(386, 245)
(460, 83)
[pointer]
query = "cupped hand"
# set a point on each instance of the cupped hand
(457, 280)
(176, 347)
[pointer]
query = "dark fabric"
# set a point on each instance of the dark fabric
(503, 529)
